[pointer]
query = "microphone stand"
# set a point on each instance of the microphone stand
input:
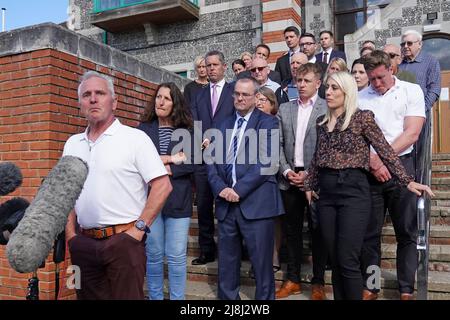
(33, 287)
(59, 254)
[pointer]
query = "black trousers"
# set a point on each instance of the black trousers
(401, 204)
(343, 211)
(295, 204)
(205, 201)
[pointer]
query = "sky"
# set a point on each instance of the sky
(22, 13)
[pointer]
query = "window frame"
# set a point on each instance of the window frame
(96, 5)
(363, 9)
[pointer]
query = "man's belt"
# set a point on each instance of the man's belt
(106, 232)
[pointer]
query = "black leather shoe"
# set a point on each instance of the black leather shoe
(203, 259)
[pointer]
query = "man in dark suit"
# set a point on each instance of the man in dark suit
(297, 145)
(308, 46)
(283, 65)
(247, 197)
(212, 105)
(328, 53)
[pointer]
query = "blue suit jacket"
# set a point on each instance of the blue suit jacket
(334, 54)
(202, 110)
(259, 194)
(179, 202)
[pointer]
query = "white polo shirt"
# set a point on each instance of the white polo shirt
(404, 99)
(121, 162)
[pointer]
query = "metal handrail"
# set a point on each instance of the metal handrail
(423, 175)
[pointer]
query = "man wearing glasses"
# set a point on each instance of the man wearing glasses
(260, 72)
(396, 58)
(428, 75)
(425, 67)
(246, 193)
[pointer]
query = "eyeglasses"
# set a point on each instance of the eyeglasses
(409, 43)
(393, 55)
(260, 69)
(244, 95)
(263, 100)
(307, 44)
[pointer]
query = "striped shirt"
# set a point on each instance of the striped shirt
(428, 75)
(165, 134)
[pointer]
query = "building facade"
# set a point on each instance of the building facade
(171, 33)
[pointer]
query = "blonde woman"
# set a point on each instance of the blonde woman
(247, 57)
(339, 169)
(192, 88)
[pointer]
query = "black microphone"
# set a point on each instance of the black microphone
(10, 178)
(46, 217)
(11, 212)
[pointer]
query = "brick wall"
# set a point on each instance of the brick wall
(38, 112)
(277, 16)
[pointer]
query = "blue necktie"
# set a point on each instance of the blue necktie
(231, 157)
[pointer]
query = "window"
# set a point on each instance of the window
(104, 5)
(438, 45)
(350, 15)
(182, 74)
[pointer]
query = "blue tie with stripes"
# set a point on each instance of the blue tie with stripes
(231, 157)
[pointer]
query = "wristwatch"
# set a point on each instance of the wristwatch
(141, 225)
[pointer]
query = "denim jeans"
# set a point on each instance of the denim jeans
(168, 237)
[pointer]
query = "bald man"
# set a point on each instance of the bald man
(288, 90)
(395, 55)
(260, 72)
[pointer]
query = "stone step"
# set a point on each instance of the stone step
(441, 195)
(439, 282)
(436, 231)
(437, 253)
(440, 156)
(440, 181)
(440, 168)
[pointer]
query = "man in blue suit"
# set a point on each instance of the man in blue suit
(328, 53)
(211, 106)
(247, 197)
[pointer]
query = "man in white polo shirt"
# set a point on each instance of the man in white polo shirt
(115, 208)
(400, 113)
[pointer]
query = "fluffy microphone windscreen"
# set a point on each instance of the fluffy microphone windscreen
(10, 178)
(32, 240)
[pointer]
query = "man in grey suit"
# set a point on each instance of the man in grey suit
(297, 144)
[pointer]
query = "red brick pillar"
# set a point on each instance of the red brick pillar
(38, 112)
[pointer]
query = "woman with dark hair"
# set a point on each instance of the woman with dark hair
(168, 122)
(360, 75)
(238, 66)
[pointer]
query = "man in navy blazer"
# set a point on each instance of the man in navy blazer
(211, 106)
(326, 41)
(246, 193)
(283, 65)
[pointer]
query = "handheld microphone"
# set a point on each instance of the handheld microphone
(46, 217)
(10, 178)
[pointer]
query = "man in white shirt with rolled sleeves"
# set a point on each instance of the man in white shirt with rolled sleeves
(115, 208)
(400, 113)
